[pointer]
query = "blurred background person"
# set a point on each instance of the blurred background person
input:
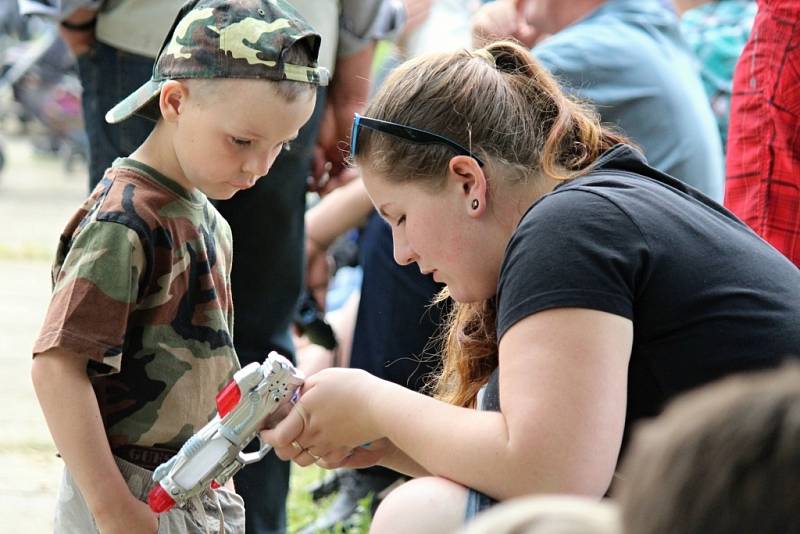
(548, 514)
(45, 92)
(629, 60)
(722, 459)
(763, 159)
(716, 31)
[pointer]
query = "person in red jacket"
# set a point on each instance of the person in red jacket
(763, 160)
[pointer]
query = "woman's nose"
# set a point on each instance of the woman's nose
(403, 253)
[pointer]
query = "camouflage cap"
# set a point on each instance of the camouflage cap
(227, 39)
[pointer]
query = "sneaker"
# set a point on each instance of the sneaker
(324, 487)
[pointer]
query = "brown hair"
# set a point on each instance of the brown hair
(724, 458)
(508, 110)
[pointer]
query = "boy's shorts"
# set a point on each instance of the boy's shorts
(202, 514)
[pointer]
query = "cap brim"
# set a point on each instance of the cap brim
(134, 102)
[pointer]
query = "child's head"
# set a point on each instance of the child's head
(233, 83)
(724, 458)
(548, 514)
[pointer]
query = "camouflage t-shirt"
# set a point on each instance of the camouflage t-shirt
(141, 286)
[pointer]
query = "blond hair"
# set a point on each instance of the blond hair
(509, 111)
(548, 514)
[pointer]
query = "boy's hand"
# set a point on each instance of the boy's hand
(133, 516)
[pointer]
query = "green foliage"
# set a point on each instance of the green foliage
(301, 510)
(383, 52)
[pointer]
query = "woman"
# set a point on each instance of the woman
(590, 289)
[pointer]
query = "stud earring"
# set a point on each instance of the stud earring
(475, 203)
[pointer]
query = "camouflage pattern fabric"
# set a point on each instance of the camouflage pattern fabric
(228, 39)
(220, 510)
(141, 286)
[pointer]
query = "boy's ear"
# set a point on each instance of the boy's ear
(471, 182)
(172, 99)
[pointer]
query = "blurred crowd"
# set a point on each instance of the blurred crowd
(39, 87)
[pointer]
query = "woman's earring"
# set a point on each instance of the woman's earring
(475, 203)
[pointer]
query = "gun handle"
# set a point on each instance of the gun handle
(253, 457)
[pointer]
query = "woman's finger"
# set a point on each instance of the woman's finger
(282, 436)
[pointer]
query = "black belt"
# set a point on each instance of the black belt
(146, 457)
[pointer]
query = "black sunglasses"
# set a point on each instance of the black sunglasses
(409, 133)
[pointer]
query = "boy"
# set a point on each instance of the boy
(137, 339)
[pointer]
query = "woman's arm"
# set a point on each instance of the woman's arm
(73, 416)
(563, 382)
(381, 452)
(403, 463)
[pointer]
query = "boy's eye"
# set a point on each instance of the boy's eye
(240, 142)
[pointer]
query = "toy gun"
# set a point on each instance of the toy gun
(211, 456)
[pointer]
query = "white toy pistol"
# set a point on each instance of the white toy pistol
(214, 454)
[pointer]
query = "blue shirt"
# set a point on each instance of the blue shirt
(629, 60)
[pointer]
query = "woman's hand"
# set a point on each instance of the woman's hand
(333, 418)
(369, 454)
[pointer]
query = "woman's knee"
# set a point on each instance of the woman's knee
(422, 505)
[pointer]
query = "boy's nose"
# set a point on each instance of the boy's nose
(259, 165)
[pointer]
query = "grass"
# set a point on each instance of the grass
(25, 252)
(301, 510)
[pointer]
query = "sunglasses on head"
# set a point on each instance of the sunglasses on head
(409, 133)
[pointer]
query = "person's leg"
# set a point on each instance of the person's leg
(108, 75)
(267, 222)
(423, 505)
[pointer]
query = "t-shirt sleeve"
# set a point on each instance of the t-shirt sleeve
(574, 249)
(94, 293)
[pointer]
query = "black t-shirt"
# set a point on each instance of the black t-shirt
(706, 295)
